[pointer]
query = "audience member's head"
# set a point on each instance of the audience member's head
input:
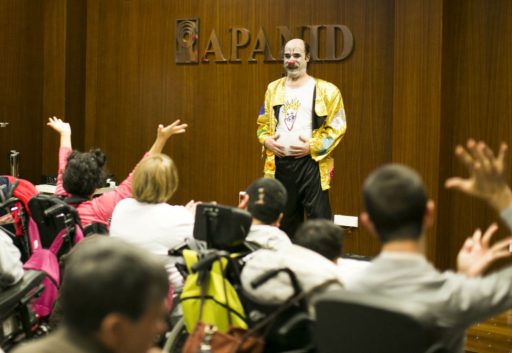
(321, 236)
(266, 200)
(155, 179)
(396, 202)
(84, 172)
(114, 292)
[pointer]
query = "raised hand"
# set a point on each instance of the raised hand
(164, 132)
(63, 128)
(58, 125)
(487, 174)
(476, 255)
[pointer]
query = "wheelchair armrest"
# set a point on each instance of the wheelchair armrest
(266, 276)
(178, 249)
(293, 322)
(28, 287)
(11, 201)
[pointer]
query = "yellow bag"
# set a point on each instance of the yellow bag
(221, 306)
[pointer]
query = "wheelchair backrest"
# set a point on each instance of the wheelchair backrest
(54, 216)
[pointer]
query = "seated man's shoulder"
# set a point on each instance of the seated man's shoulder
(268, 236)
(56, 342)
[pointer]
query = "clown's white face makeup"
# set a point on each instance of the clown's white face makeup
(295, 59)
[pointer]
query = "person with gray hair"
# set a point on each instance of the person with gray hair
(113, 299)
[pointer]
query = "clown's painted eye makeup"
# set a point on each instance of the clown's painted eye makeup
(295, 55)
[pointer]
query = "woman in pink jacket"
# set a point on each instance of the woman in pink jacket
(80, 173)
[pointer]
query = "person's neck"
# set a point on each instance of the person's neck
(297, 81)
(91, 342)
(257, 222)
(405, 246)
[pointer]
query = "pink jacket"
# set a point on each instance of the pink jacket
(98, 209)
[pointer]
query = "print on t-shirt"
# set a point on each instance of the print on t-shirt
(291, 109)
(295, 116)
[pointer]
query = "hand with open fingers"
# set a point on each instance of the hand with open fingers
(488, 174)
(476, 255)
(300, 150)
(274, 146)
(58, 125)
(164, 132)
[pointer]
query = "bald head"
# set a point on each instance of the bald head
(296, 44)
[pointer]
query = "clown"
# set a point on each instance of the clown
(300, 124)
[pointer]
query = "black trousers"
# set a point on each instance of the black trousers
(301, 178)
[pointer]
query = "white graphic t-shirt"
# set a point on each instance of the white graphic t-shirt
(295, 115)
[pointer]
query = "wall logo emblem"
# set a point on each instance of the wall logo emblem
(328, 42)
(187, 41)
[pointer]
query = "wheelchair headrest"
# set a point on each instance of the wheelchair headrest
(222, 227)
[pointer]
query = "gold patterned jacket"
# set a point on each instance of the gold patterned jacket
(329, 125)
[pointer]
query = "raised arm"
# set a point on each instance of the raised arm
(164, 133)
(104, 205)
(64, 130)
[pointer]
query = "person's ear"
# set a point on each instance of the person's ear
(368, 224)
(278, 222)
(428, 218)
(244, 201)
(111, 332)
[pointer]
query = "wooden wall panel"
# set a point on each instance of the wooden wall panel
(417, 92)
(423, 76)
(21, 45)
(54, 80)
(42, 74)
(63, 75)
(365, 81)
(477, 102)
(133, 84)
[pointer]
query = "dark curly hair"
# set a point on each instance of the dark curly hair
(84, 172)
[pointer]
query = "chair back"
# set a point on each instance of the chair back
(367, 323)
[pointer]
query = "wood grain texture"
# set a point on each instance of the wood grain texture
(417, 93)
(422, 77)
(133, 84)
(21, 77)
(476, 102)
(491, 336)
